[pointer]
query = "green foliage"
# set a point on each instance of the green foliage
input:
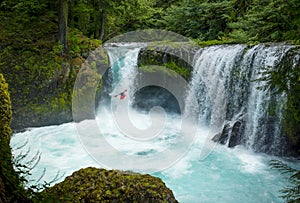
(120, 16)
(155, 58)
(41, 78)
(185, 73)
(205, 21)
(214, 42)
(13, 172)
(31, 8)
(242, 21)
(100, 185)
(269, 20)
(291, 193)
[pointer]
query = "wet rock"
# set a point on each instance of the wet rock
(231, 133)
(100, 185)
(236, 134)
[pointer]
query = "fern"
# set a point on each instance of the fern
(23, 170)
(291, 193)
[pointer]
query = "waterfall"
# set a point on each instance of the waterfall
(229, 102)
(212, 69)
(123, 60)
(223, 79)
(263, 131)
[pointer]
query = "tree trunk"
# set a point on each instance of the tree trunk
(63, 24)
(102, 25)
(71, 13)
(97, 24)
(99, 20)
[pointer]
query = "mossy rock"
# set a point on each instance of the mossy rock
(101, 185)
(11, 189)
(40, 77)
(5, 155)
(178, 59)
(5, 109)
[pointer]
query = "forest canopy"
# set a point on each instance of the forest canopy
(237, 21)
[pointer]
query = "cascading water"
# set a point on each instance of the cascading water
(123, 65)
(212, 69)
(263, 131)
(222, 81)
(223, 78)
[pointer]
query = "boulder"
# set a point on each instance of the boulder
(223, 136)
(231, 133)
(101, 185)
(236, 134)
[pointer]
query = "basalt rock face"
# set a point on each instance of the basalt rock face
(231, 134)
(236, 133)
(100, 185)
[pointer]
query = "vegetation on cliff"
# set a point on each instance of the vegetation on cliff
(152, 57)
(40, 75)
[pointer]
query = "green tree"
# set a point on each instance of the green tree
(241, 7)
(103, 19)
(63, 23)
(100, 7)
(205, 20)
(269, 20)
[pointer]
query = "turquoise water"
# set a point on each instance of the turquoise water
(226, 175)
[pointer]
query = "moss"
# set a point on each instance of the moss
(214, 42)
(158, 69)
(5, 109)
(185, 73)
(169, 57)
(11, 189)
(84, 93)
(100, 185)
(5, 132)
(41, 79)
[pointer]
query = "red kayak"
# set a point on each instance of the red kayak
(122, 95)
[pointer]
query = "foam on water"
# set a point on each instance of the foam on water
(60, 149)
(226, 175)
